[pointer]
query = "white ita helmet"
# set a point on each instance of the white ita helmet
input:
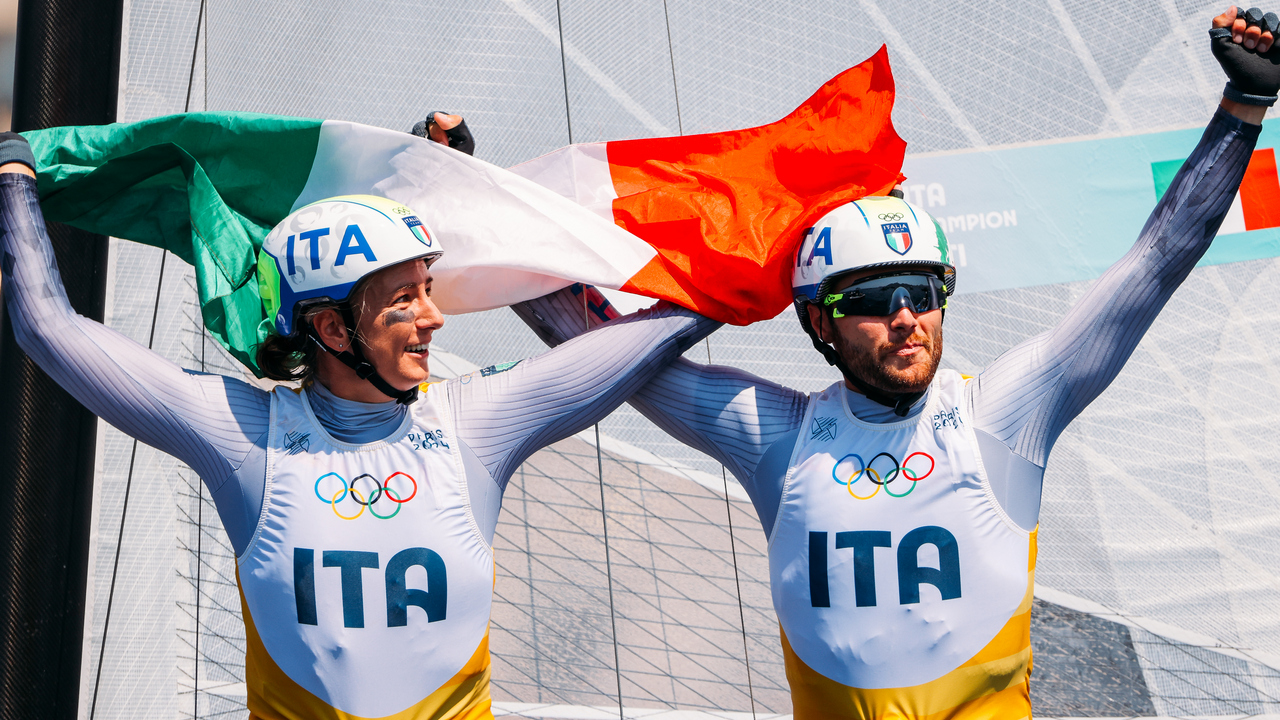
(320, 251)
(872, 232)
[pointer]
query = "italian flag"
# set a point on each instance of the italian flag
(707, 221)
(1257, 203)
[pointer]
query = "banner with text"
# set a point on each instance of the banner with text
(1063, 212)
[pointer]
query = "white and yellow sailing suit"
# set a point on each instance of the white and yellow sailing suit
(361, 602)
(902, 587)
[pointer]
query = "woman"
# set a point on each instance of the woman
(361, 510)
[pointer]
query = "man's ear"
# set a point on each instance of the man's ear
(818, 321)
(330, 328)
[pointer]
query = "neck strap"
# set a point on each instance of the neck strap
(355, 360)
(900, 403)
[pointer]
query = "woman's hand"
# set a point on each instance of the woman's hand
(15, 155)
(16, 167)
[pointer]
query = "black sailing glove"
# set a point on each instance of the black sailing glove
(1253, 77)
(14, 148)
(459, 137)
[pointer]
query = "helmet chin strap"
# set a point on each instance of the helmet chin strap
(900, 402)
(355, 359)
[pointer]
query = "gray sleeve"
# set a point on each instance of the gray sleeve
(506, 416)
(209, 422)
(1026, 398)
(743, 421)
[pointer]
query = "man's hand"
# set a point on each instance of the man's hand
(439, 123)
(448, 130)
(1242, 43)
(1252, 29)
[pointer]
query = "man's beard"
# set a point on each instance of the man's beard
(870, 366)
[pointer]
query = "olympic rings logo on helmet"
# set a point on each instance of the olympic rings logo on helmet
(890, 216)
(381, 489)
(882, 474)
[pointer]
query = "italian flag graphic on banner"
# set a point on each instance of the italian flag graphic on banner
(1257, 204)
(707, 221)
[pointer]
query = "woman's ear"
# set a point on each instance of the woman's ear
(330, 328)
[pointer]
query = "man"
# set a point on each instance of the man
(901, 505)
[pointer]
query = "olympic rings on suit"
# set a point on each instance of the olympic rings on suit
(393, 498)
(336, 498)
(354, 493)
(381, 488)
(882, 474)
(387, 487)
(377, 491)
(890, 216)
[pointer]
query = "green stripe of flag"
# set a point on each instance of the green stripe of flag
(206, 186)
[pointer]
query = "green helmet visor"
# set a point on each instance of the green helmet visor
(882, 295)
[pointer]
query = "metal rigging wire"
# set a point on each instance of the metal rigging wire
(124, 510)
(195, 670)
(675, 87)
(737, 582)
(133, 453)
(604, 516)
(604, 522)
(724, 474)
(564, 74)
(608, 566)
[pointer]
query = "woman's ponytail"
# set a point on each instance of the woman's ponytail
(288, 358)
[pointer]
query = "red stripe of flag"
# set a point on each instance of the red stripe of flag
(1260, 191)
(725, 210)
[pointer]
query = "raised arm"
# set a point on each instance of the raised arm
(1024, 400)
(209, 422)
(1027, 397)
(745, 422)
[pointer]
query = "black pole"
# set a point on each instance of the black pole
(66, 73)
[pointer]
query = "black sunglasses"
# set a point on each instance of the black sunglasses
(887, 294)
